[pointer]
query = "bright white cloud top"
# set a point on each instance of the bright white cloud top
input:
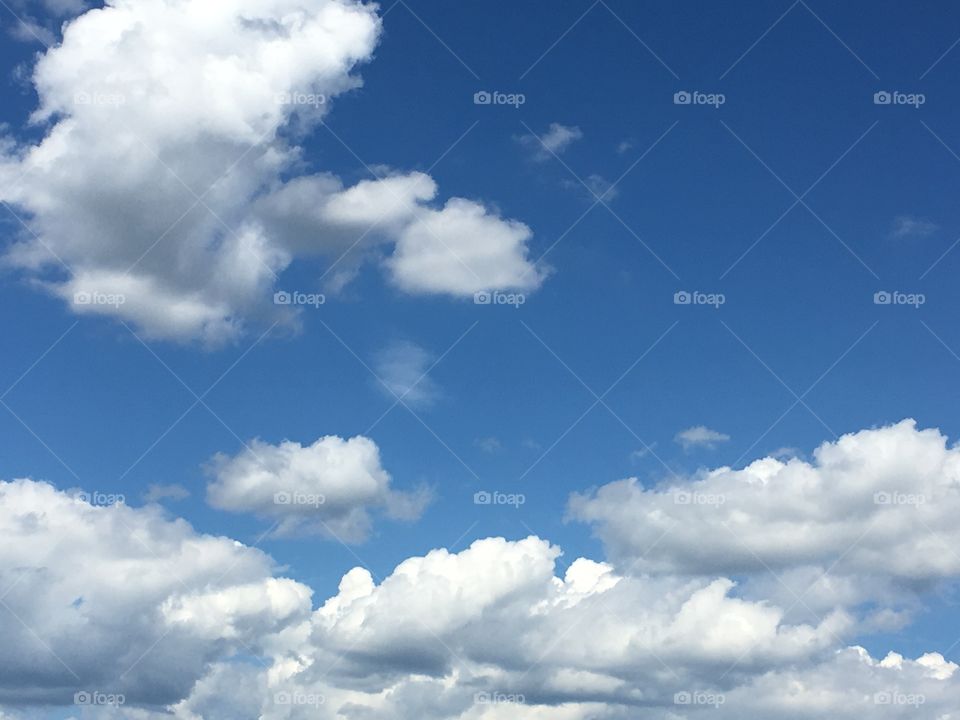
(496, 630)
(157, 189)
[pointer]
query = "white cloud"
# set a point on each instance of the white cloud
(330, 487)
(168, 130)
(553, 142)
(877, 507)
(700, 436)
(461, 250)
(908, 226)
(498, 603)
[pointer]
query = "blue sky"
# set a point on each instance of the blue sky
(798, 354)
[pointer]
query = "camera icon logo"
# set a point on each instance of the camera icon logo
(282, 698)
(682, 298)
(282, 498)
(882, 298)
(482, 98)
(282, 297)
(882, 98)
(82, 298)
(482, 298)
(682, 698)
(682, 98)
(482, 498)
(81, 698)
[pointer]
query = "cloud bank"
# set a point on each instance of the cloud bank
(127, 600)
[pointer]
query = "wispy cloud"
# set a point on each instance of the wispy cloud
(595, 187)
(700, 436)
(156, 492)
(403, 368)
(909, 226)
(489, 444)
(553, 142)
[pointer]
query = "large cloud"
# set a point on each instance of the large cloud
(329, 487)
(156, 193)
(492, 633)
(881, 501)
(869, 524)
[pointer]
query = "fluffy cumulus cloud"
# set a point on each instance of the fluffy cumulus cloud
(879, 497)
(155, 194)
(330, 487)
(89, 589)
(137, 603)
(877, 508)
(493, 632)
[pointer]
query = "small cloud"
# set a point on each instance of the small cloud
(637, 455)
(785, 453)
(402, 367)
(595, 187)
(488, 444)
(908, 226)
(156, 493)
(557, 139)
(700, 436)
(624, 146)
(531, 444)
